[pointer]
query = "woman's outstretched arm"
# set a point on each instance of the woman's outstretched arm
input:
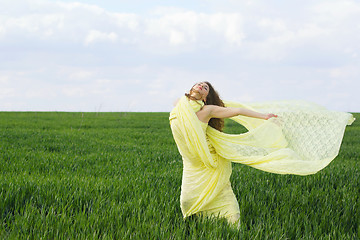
(223, 112)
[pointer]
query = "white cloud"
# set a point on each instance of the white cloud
(188, 27)
(80, 55)
(74, 6)
(129, 20)
(230, 25)
(275, 25)
(75, 21)
(81, 75)
(97, 36)
(333, 11)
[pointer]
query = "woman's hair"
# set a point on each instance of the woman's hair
(212, 98)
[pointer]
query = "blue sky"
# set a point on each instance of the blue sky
(142, 55)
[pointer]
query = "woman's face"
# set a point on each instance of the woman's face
(202, 88)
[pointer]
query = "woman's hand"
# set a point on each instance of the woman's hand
(270, 115)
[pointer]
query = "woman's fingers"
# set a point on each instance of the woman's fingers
(270, 115)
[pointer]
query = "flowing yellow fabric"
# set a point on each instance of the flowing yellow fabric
(302, 140)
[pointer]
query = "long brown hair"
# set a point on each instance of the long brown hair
(212, 98)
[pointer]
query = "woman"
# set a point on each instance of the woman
(302, 140)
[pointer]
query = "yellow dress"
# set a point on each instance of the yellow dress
(302, 140)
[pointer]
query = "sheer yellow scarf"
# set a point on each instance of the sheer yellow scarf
(302, 140)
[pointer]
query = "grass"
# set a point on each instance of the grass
(118, 176)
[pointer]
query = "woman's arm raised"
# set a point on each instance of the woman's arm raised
(223, 112)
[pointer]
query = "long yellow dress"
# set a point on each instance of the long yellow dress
(302, 140)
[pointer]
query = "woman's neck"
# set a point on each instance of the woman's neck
(196, 96)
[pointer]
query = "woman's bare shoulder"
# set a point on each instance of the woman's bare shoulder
(206, 110)
(207, 107)
(211, 107)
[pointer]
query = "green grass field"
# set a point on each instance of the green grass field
(118, 176)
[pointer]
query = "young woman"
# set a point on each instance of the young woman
(302, 140)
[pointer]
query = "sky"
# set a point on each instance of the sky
(141, 55)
